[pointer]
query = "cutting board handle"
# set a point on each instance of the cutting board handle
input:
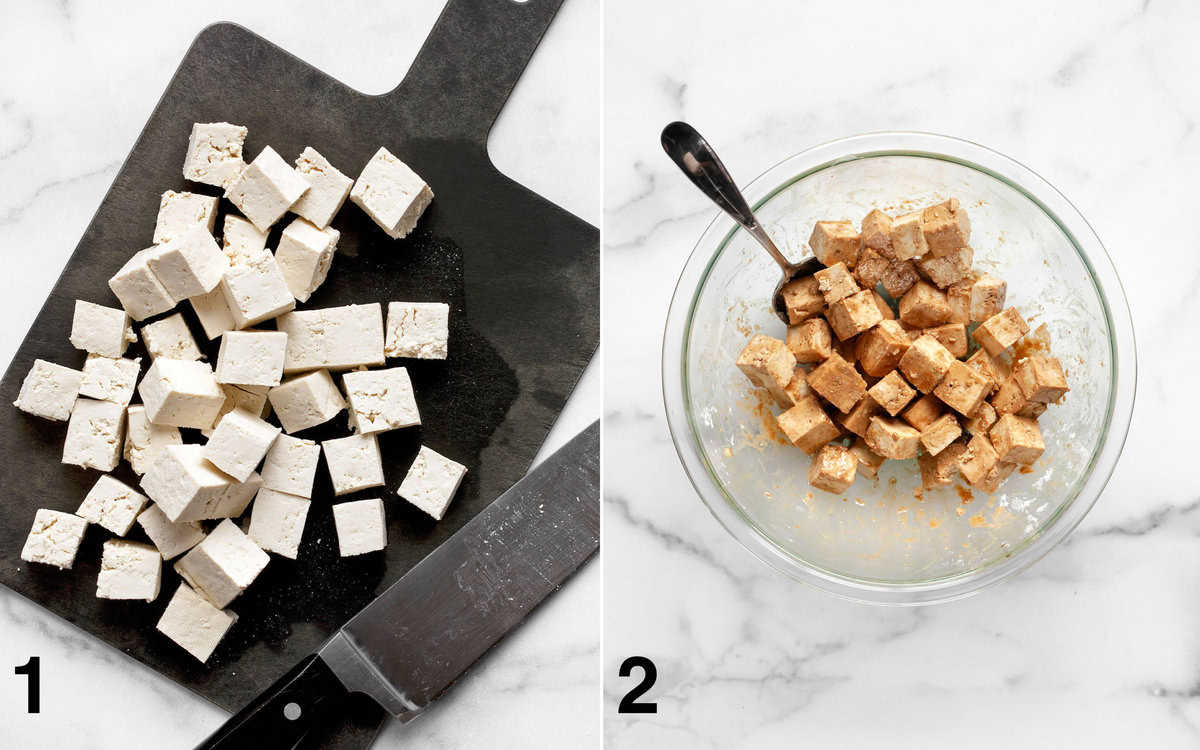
(470, 62)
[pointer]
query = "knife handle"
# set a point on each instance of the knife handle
(287, 712)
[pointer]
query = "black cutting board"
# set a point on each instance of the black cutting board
(521, 276)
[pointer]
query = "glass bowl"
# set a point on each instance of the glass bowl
(883, 541)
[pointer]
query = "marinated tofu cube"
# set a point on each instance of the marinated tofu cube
(1009, 398)
(100, 330)
(49, 391)
(129, 570)
(251, 358)
(872, 265)
(868, 460)
(859, 418)
(947, 269)
(1017, 440)
(172, 539)
(305, 254)
(224, 565)
(54, 539)
(139, 290)
(923, 412)
(194, 623)
(937, 436)
(810, 341)
(179, 213)
(879, 349)
(938, 471)
(239, 442)
(353, 462)
(1032, 410)
(112, 504)
(797, 389)
(1001, 331)
(266, 189)
(256, 291)
(908, 239)
(853, 315)
(214, 153)
(847, 349)
(923, 306)
(327, 188)
(835, 242)
(181, 393)
(306, 401)
(995, 476)
(769, 363)
(391, 193)
(188, 265)
(978, 459)
(982, 420)
(876, 233)
(958, 297)
(892, 393)
(892, 438)
(277, 522)
(807, 425)
(885, 310)
(899, 278)
(987, 298)
(108, 379)
(170, 338)
(1041, 378)
(94, 434)
(835, 282)
(962, 389)
(833, 469)
(925, 363)
(431, 482)
(803, 299)
(838, 382)
(994, 369)
(946, 227)
(953, 336)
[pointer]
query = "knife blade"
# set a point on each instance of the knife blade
(409, 645)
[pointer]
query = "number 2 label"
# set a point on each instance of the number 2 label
(630, 704)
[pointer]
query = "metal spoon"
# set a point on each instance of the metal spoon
(692, 154)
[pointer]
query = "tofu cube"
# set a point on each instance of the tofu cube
(249, 398)
(891, 438)
(420, 330)
(251, 358)
(947, 269)
(170, 538)
(1009, 398)
(431, 482)
(899, 278)
(838, 382)
(859, 418)
(1017, 440)
(879, 349)
(995, 476)
(391, 193)
(908, 239)
(306, 401)
(180, 213)
(182, 393)
(958, 296)
(213, 311)
(94, 434)
(381, 400)
(994, 369)
(49, 391)
(100, 330)
(112, 504)
(194, 623)
(291, 466)
(962, 389)
(982, 420)
(924, 412)
(336, 338)
(242, 243)
(304, 255)
(354, 463)
(853, 315)
(1031, 410)
(188, 265)
(938, 471)
(868, 460)
(277, 522)
(224, 565)
(54, 539)
(946, 227)
(256, 291)
(938, 436)
(1041, 378)
(214, 153)
(189, 488)
(170, 338)
(835, 282)
(239, 442)
(797, 389)
(835, 242)
(1001, 331)
(266, 189)
(144, 441)
(361, 527)
(803, 299)
(978, 459)
(769, 363)
(872, 265)
(953, 336)
(925, 363)
(923, 306)
(885, 310)
(139, 290)
(807, 425)
(987, 298)
(108, 379)
(810, 341)
(876, 233)
(129, 570)
(892, 393)
(833, 469)
(327, 188)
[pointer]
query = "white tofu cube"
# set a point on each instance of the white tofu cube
(336, 338)
(179, 213)
(361, 527)
(194, 623)
(291, 466)
(182, 393)
(112, 504)
(129, 570)
(431, 482)
(304, 255)
(213, 312)
(94, 434)
(239, 442)
(241, 241)
(306, 401)
(54, 539)
(223, 565)
(187, 265)
(172, 539)
(391, 193)
(381, 399)
(171, 338)
(256, 291)
(327, 188)
(214, 153)
(266, 189)
(101, 330)
(251, 358)
(49, 391)
(354, 463)
(250, 398)
(189, 488)
(139, 290)
(277, 522)
(108, 379)
(144, 440)
(419, 330)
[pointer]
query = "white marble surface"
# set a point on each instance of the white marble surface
(65, 58)
(1096, 645)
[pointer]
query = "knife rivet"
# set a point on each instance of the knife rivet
(291, 711)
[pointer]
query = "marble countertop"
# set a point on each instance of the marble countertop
(539, 686)
(1096, 645)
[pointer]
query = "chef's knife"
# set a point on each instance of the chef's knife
(411, 643)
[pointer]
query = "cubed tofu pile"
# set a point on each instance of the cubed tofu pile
(898, 349)
(192, 489)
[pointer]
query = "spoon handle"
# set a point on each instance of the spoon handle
(692, 154)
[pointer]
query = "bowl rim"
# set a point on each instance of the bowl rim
(1096, 260)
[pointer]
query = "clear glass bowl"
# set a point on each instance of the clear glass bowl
(881, 542)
